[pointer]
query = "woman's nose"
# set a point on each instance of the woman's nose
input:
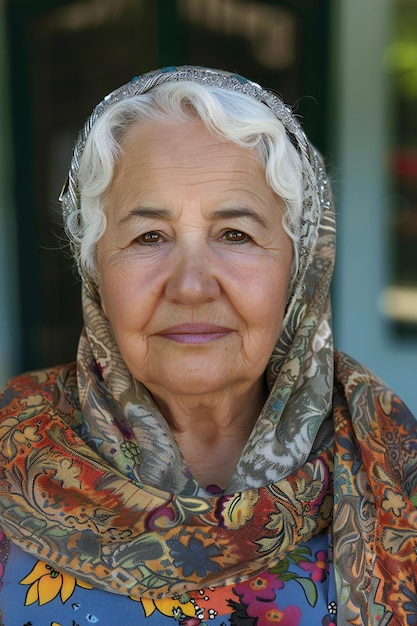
(192, 280)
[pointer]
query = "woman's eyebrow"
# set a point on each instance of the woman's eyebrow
(218, 214)
(149, 212)
(239, 212)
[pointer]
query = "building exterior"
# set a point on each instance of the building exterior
(346, 65)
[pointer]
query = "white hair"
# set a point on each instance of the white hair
(229, 115)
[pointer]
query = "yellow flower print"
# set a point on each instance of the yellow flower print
(258, 583)
(171, 607)
(274, 616)
(46, 583)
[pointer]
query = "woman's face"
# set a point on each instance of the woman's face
(194, 264)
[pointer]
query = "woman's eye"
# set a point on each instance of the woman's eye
(235, 236)
(150, 238)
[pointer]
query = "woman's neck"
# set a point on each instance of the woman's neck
(211, 432)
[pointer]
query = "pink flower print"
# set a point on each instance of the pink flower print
(319, 569)
(262, 587)
(269, 615)
(258, 595)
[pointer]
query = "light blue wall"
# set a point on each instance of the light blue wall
(361, 33)
(8, 274)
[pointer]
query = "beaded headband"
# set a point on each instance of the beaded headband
(315, 186)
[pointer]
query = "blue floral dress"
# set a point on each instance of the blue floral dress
(299, 591)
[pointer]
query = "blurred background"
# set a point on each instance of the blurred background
(347, 67)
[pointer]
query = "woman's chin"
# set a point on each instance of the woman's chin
(194, 383)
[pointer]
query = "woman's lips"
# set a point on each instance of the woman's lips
(195, 333)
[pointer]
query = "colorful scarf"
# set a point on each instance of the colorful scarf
(93, 483)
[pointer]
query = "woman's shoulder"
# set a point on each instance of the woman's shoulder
(365, 393)
(354, 375)
(37, 388)
(349, 369)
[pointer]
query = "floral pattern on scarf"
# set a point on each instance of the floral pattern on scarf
(363, 487)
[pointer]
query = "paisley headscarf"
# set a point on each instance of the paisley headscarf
(93, 481)
(283, 434)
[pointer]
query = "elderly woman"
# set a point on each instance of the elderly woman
(209, 458)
